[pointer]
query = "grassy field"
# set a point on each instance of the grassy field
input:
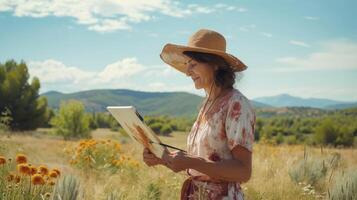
(270, 180)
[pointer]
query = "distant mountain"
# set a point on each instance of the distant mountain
(286, 100)
(148, 103)
(342, 106)
(259, 105)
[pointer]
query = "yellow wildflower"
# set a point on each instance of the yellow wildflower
(21, 158)
(43, 170)
(37, 179)
(24, 168)
(33, 170)
(2, 160)
(57, 171)
(53, 174)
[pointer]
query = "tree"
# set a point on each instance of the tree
(28, 110)
(71, 120)
(326, 132)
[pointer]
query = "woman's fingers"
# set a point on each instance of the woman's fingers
(147, 151)
(166, 157)
(149, 158)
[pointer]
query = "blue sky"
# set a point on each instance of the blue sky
(303, 48)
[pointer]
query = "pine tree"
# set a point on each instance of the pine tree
(28, 110)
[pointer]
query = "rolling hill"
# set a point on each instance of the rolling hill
(286, 100)
(178, 103)
(148, 103)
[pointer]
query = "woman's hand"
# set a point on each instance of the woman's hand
(176, 161)
(150, 159)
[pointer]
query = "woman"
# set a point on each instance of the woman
(219, 155)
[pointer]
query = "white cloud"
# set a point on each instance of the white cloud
(221, 6)
(299, 43)
(126, 73)
(311, 18)
(269, 35)
(200, 9)
(123, 68)
(53, 71)
(247, 28)
(106, 15)
(160, 71)
(109, 25)
(335, 55)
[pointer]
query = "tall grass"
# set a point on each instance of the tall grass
(270, 178)
(344, 186)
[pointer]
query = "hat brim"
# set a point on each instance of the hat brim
(173, 55)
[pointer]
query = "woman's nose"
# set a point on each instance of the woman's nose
(189, 70)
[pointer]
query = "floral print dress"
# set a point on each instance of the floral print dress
(228, 123)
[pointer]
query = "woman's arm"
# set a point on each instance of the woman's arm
(238, 169)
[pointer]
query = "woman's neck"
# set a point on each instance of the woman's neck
(213, 92)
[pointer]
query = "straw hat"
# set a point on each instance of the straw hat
(204, 41)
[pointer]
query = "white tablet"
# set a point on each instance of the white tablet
(134, 125)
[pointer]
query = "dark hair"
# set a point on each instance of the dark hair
(224, 76)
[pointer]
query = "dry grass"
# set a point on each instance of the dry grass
(270, 178)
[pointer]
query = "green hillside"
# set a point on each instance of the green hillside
(148, 103)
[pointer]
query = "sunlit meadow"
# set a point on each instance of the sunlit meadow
(109, 166)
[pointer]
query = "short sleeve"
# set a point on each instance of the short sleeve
(240, 123)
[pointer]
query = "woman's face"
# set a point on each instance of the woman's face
(201, 74)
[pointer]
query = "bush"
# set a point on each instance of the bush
(71, 120)
(93, 121)
(345, 137)
(258, 129)
(156, 127)
(344, 187)
(165, 129)
(310, 170)
(291, 139)
(279, 138)
(67, 188)
(326, 133)
(105, 155)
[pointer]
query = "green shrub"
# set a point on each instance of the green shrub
(279, 138)
(165, 129)
(345, 137)
(291, 139)
(67, 188)
(310, 170)
(71, 120)
(326, 132)
(156, 127)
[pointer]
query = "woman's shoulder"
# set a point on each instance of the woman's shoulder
(238, 96)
